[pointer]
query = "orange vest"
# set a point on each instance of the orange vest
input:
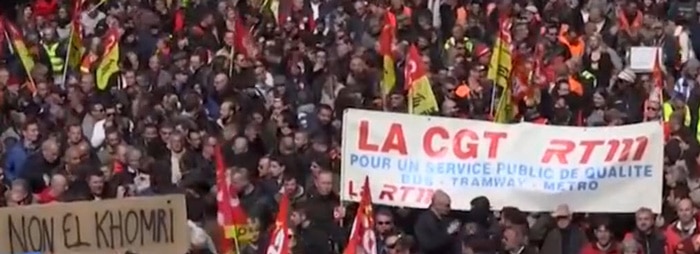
(392, 18)
(576, 50)
(625, 24)
(575, 86)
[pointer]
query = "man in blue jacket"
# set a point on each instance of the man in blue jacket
(17, 154)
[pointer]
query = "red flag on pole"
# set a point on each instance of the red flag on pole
(362, 235)
(279, 239)
(224, 211)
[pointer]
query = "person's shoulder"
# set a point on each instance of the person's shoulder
(426, 215)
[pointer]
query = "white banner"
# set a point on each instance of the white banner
(532, 167)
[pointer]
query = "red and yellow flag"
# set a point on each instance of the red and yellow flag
(224, 211)
(23, 53)
(280, 237)
(230, 215)
(386, 40)
(421, 98)
(499, 72)
(75, 49)
(109, 64)
(362, 235)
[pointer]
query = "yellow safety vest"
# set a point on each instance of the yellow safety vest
(451, 42)
(668, 110)
(54, 59)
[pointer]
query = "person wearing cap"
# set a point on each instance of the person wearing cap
(626, 97)
(566, 238)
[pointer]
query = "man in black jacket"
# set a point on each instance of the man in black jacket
(434, 231)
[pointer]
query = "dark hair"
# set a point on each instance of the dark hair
(600, 220)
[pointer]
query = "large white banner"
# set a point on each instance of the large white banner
(532, 167)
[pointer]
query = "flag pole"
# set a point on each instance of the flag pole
(235, 239)
(66, 63)
(230, 66)
(410, 100)
(9, 43)
(97, 6)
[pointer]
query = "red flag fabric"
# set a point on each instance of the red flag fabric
(279, 239)
(179, 21)
(414, 71)
(241, 38)
(362, 235)
(656, 72)
(230, 214)
(386, 37)
(117, 167)
(224, 211)
(2, 35)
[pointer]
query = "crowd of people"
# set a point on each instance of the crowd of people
(265, 82)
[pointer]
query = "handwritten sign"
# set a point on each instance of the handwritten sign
(143, 225)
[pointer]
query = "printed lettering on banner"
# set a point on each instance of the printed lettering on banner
(142, 225)
(533, 167)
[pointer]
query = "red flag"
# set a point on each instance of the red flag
(117, 167)
(656, 72)
(279, 243)
(362, 234)
(224, 213)
(21, 50)
(179, 21)
(242, 39)
(230, 214)
(2, 35)
(386, 37)
(658, 77)
(417, 68)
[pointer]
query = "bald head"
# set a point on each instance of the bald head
(50, 144)
(685, 211)
(440, 203)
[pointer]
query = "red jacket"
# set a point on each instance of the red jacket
(673, 236)
(592, 248)
(46, 197)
